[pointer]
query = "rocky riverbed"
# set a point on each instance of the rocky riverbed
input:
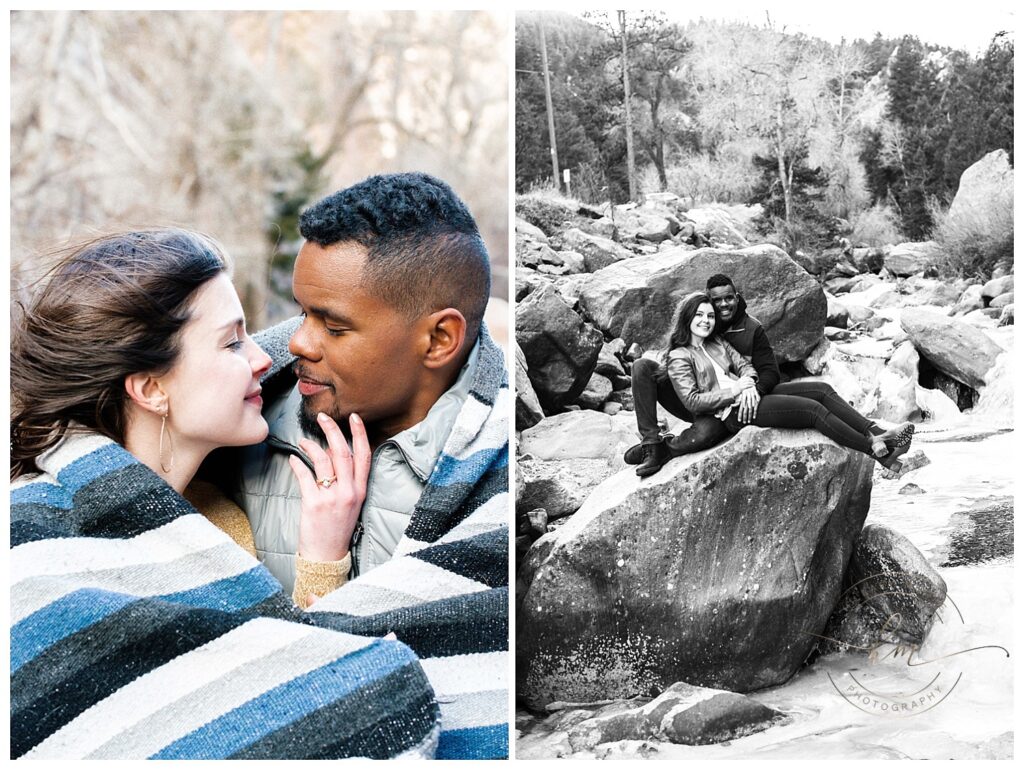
(961, 519)
(595, 290)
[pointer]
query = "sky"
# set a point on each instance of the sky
(970, 27)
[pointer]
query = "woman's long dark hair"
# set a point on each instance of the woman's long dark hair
(109, 308)
(681, 335)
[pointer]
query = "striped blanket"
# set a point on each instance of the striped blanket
(141, 630)
(445, 591)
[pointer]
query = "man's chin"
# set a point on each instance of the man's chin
(308, 423)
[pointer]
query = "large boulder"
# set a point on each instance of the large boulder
(597, 251)
(560, 347)
(717, 571)
(636, 299)
(955, 348)
(985, 184)
(892, 595)
(528, 410)
(717, 226)
(910, 258)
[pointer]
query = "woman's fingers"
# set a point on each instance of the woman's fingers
(323, 466)
(307, 484)
(341, 456)
(361, 455)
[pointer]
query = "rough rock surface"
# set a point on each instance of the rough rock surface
(717, 570)
(986, 183)
(997, 286)
(597, 251)
(892, 595)
(637, 298)
(565, 456)
(683, 714)
(717, 225)
(981, 534)
(958, 349)
(596, 393)
(528, 411)
(560, 347)
(970, 299)
(909, 258)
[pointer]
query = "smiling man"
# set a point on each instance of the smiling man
(393, 281)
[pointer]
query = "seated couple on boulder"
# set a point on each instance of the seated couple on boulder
(721, 374)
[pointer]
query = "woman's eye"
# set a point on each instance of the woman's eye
(235, 344)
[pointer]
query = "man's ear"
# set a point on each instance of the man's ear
(146, 392)
(447, 330)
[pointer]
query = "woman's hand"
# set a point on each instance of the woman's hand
(330, 509)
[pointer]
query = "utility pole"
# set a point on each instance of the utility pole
(630, 163)
(551, 109)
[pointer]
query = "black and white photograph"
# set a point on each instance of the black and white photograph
(764, 330)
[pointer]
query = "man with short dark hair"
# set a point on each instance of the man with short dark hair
(393, 281)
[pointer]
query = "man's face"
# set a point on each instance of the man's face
(356, 353)
(725, 300)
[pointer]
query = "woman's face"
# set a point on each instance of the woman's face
(703, 321)
(213, 390)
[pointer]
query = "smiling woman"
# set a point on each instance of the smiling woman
(143, 626)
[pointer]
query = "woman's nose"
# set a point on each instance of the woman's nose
(260, 361)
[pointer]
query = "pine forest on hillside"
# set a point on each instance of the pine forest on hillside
(865, 140)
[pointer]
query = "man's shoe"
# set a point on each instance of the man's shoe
(655, 456)
(634, 455)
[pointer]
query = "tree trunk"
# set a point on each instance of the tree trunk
(551, 109)
(630, 160)
(785, 179)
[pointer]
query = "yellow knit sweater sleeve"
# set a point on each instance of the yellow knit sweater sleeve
(313, 579)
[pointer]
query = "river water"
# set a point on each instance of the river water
(961, 514)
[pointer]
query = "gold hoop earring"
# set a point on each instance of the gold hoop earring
(170, 444)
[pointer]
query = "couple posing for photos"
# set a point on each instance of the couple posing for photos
(175, 481)
(721, 374)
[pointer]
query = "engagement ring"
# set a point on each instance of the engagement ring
(326, 483)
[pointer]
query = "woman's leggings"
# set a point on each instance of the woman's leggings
(810, 405)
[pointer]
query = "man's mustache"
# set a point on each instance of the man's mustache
(302, 373)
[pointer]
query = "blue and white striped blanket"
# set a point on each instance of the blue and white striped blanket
(139, 629)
